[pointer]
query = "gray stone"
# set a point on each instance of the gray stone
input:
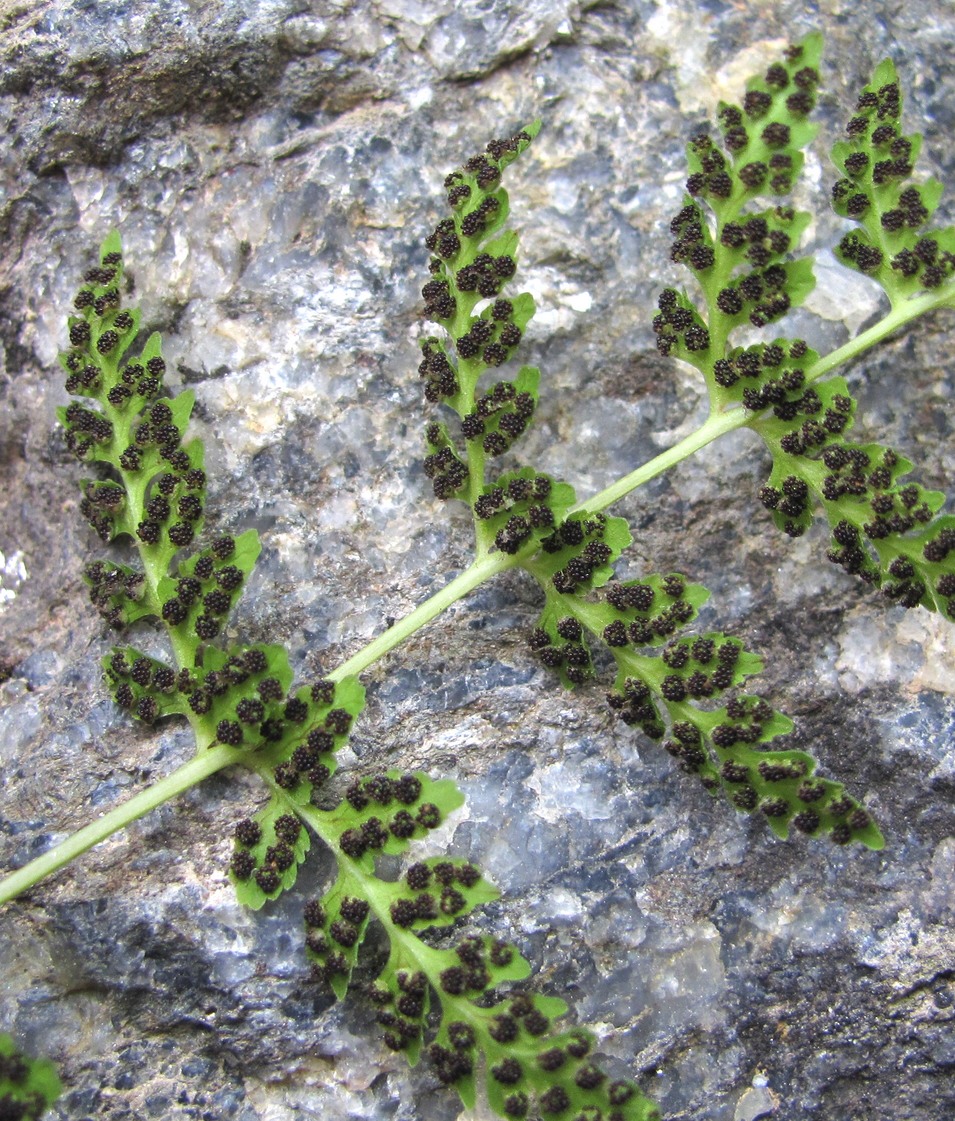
(272, 166)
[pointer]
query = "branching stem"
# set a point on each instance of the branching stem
(208, 762)
(720, 423)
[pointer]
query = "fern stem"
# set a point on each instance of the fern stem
(897, 317)
(710, 430)
(200, 767)
(719, 424)
(208, 762)
(472, 577)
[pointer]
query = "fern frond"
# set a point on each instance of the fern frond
(673, 693)
(878, 193)
(740, 256)
(443, 992)
(471, 266)
(151, 490)
(885, 529)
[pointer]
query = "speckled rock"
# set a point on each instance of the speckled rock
(272, 166)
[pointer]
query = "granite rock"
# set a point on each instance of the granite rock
(272, 166)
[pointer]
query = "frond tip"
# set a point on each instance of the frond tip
(886, 529)
(668, 685)
(876, 191)
(742, 253)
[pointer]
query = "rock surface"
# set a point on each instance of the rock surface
(272, 166)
